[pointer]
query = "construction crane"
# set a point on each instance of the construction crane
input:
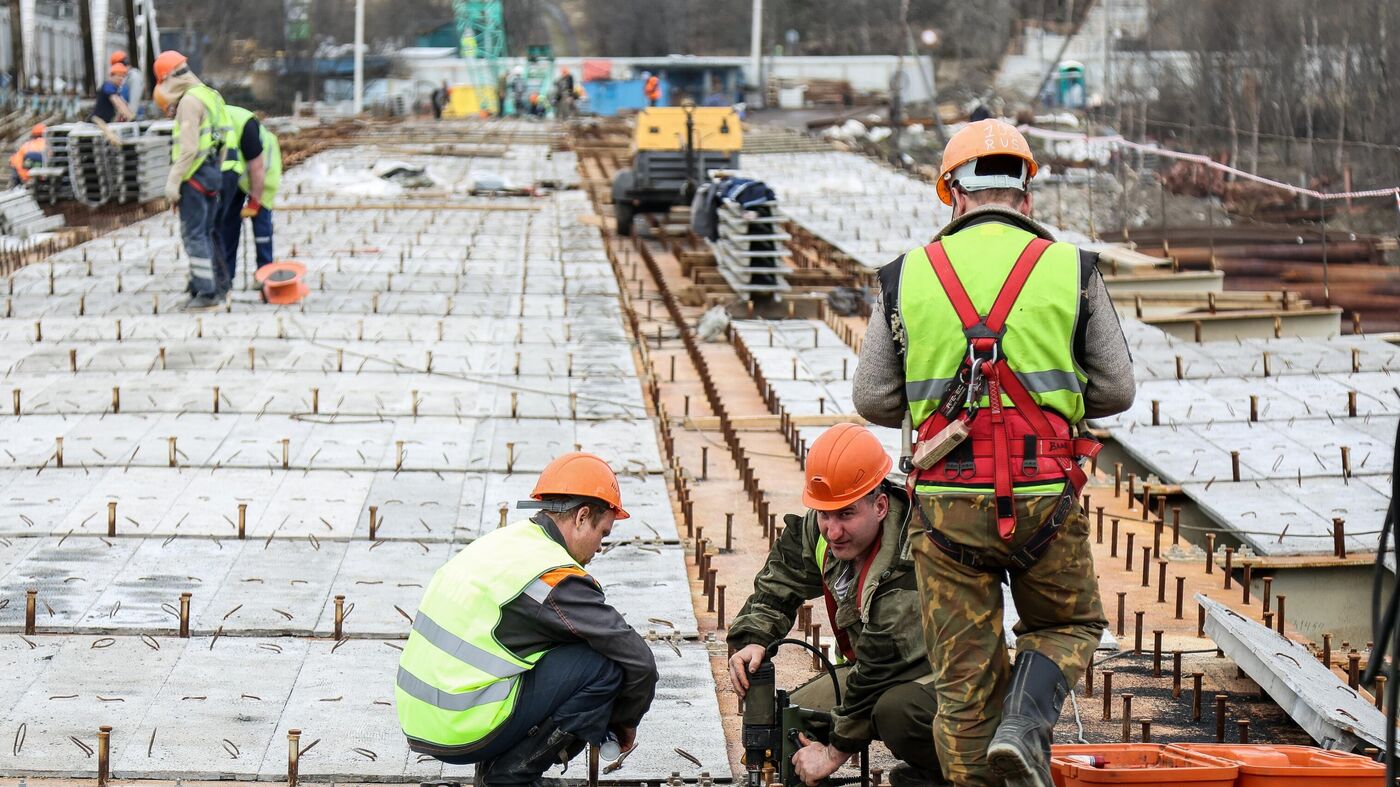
(481, 36)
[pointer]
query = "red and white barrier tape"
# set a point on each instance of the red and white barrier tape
(1119, 141)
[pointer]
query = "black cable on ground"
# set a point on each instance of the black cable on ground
(1385, 623)
(830, 670)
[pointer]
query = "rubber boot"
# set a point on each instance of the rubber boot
(1020, 750)
(544, 747)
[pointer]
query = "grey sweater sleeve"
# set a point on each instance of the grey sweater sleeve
(878, 387)
(1104, 356)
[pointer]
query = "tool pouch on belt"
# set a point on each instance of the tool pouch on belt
(1008, 444)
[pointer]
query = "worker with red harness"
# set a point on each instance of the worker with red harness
(851, 549)
(996, 342)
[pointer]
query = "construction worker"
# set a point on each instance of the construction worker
(110, 107)
(851, 548)
(518, 88)
(564, 95)
(201, 134)
(652, 88)
(252, 173)
(30, 154)
(133, 83)
(996, 342)
(516, 660)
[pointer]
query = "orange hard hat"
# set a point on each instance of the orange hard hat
(38, 130)
(117, 57)
(166, 63)
(843, 465)
(117, 69)
(282, 282)
(577, 474)
(988, 137)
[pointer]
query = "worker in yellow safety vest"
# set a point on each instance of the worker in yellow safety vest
(995, 342)
(252, 175)
(30, 154)
(852, 550)
(515, 660)
(201, 136)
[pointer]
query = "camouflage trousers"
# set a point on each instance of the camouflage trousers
(1061, 616)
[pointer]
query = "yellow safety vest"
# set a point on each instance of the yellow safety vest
(214, 130)
(456, 682)
(272, 155)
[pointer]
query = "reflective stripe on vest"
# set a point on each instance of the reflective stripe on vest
(456, 682)
(1038, 340)
(214, 130)
(272, 156)
(842, 642)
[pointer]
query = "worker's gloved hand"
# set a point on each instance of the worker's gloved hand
(743, 663)
(172, 193)
(816, 761)
(251, 208)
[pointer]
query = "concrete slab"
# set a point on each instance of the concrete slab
(70, 574)
(273, 588)
(648, 584)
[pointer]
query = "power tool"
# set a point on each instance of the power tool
(772, 725)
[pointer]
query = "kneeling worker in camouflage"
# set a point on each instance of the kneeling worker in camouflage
(516, 661)
(851, 548)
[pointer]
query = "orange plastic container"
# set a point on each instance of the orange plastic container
(1141, 764)
(1264, 765)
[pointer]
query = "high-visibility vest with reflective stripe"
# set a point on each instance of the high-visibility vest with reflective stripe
(214, 130)
(820, 555)
(456, 682)
(1038, 339)
(272, 155)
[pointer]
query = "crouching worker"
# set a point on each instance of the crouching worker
(516, 660)
(852, 549)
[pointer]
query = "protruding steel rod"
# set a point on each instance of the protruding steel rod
(111, 519)
(185, 615)
(242, 521)
(104, 755)
(31, 606)
(293, 756)
(339, 616)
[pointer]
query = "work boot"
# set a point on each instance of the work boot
(203, 303)
(524, 764)
(1020, 750)
(906, 775)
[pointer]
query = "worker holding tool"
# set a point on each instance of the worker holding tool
(110, 107)
(516, 660)
(30, 154)
(851, 549)
(252, 173)
(997, 342)
(201, 134)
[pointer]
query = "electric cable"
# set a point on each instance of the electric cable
(830, 670)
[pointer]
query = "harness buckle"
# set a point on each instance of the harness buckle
(1028, 455)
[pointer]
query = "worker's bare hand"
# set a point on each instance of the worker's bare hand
(626, 737)
(816, 761)
(744, 662)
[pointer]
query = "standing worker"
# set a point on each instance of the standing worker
(518, 88)
(652, 88)
(564, 95)
(134, 82)
(252, 173)
(30, 154)
(516, 660)
(110, 107)
(851, 548)
(200, 136)
(996, 342)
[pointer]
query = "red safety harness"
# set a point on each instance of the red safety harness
(1006, 448)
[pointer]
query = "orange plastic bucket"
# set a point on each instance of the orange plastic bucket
(1142, 764)
(1264, 765)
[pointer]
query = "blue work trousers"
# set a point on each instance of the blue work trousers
(199, 214)
(231, 200)
(574, 685)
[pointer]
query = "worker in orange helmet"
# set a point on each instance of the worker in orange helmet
(995, 342)
(134, 82)
(851, 549)
(652, 88)
(30, 154)
(563, 95)
(516, 660)
(110, 107)
(202, 135)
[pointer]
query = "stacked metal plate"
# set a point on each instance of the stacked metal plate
(752, 247)
(139, 168)
(51, 182)
(88, 168)
(21, 216)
